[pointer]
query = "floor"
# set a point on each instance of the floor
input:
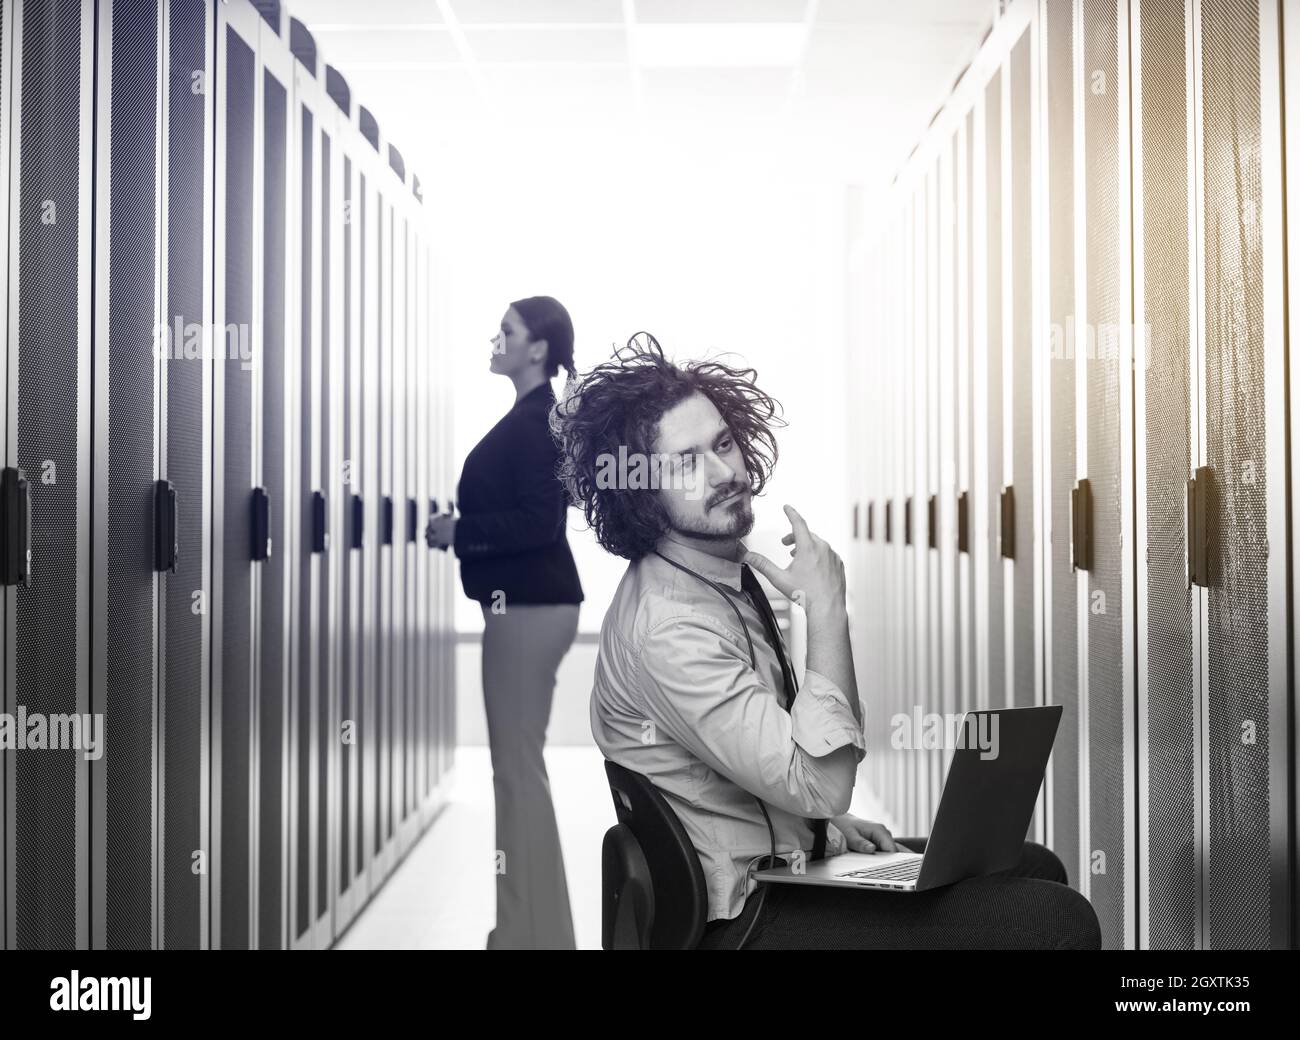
(437, 900)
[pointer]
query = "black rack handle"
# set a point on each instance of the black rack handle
(857, 507)
(412, 519)
(358, 521)
(386, 520)
(1008, 522)
(907, 521)
(932, 520)
(320, 538)
(16, 536)
(1081, 524)
(1200, 489)
(871, 521)
(963, 522)
(261, 524)
(166, 546)
(889, 521)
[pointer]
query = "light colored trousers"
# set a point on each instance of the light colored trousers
(522, 649)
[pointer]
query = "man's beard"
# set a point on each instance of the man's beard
(734, 524)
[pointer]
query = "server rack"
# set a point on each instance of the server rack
(8, 19)
(1059, 474)
(48, 66)
(235, 615)
(351, 494)
(1244, 743)
(367, 366)
(1104, 450)
(274, 537)
(185, 461)
(127, 504)
(1165, 299)
(402, 551)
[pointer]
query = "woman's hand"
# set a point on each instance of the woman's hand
(440, 531)
(865, 836)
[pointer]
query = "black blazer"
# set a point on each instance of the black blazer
(510, 535)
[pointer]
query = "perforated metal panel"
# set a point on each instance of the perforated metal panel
(236, 591)
(349, 590)
(1170, 693)
(384, 563)
(273, 736)
(1063, 688)
(322, 693)
(48, 900)
(992, 604)
(125, 489)
(1239, 875)
(1024, 677)
(972, 592)
(184, 650)
(1105, 309)
(307, 659)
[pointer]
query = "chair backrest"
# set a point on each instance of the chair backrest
(680, 901)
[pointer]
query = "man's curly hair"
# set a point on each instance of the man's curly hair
(621, 402)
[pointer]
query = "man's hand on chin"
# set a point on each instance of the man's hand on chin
(865, 836)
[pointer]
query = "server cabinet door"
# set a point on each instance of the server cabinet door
(384, 574)
(944, 455)
(7, 33)
(234, 601)
(49, 64)
(399, 717)
(7, 22)
(1247, 746)
(369, 367)
(1061, 52)
(1023, 601)
(1105, 459)
(277, 479)
(185, 458)
(331, 356)
(1165, 427)
(350, 548)
(996, 476)
(411, 548)
(420, 495)
(960, 534)
(930, 672)
(128, 512)
(307, 264)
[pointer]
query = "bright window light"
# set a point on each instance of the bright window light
(755, 45)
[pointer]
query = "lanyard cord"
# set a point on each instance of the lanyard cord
(771, 833)
(725, 595)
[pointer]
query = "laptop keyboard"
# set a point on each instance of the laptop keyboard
(909, 870)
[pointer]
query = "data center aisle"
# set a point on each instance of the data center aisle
(442, 896)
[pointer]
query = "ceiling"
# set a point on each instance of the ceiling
(836, 89)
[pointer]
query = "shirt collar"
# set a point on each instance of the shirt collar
(713, 567)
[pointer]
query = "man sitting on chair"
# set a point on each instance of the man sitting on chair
(693, 689)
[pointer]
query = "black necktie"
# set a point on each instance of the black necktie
(749, 584)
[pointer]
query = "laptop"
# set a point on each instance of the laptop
(984, 812)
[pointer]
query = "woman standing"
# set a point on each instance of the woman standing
(515, 561)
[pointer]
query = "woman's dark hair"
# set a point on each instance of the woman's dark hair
(621, 402)
(547, 319)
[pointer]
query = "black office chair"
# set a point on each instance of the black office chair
(653, 894)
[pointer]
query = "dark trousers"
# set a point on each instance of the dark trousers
(1028, 907)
